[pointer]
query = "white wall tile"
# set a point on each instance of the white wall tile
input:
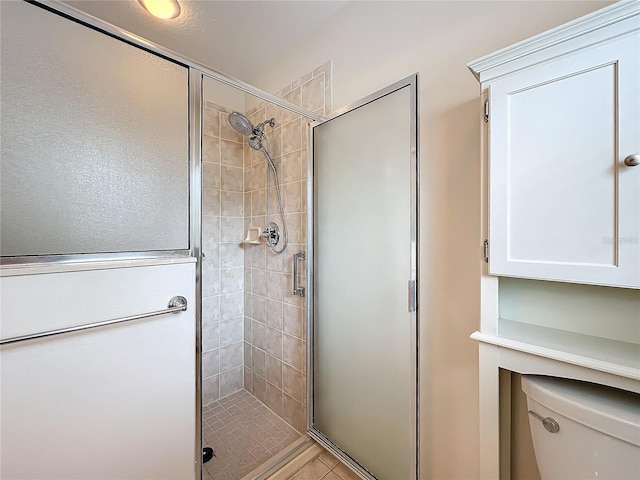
(292, 136)
(211, 201)
(274, 261)
(258, 282)
(273, 342)
(232, 204)
(231, 331)
(259, 202)
(231, 381)
(293, 321)
(232, 229)
(274, 313)
(313, 93)
(247, 355)
(210, 336)
(259, 361)
(231, 153)
(210, 309)
(210, 150)
(231, 255)
(292, 166)
(274, 285)
(211, 122)
(292, 197)
(231, 305)
(294, 352)
(210, 282)
(258, 308)
(210, 390)
(231, 178)
(231, 356)
(231, 280)
(211, 175)
(210, 363)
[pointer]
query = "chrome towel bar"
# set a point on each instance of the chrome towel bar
(176, 304)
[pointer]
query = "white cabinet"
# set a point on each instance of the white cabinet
(114, 402)
(563, 205)
(559, 204)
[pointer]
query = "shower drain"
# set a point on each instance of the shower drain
(207, 454)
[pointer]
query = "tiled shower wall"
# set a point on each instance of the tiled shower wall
(275, 319)
(250, 280)
(223, 265)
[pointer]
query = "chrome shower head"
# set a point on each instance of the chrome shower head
(255, 142)
(240, 123)
(243, 125)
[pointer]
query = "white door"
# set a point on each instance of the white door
(95, 228)
(564, 204)
(363, 337)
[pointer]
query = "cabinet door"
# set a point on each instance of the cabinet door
(563, 204)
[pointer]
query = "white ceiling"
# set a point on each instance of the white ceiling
(238, 38)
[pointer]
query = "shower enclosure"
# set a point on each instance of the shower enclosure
(248, 368)
(253, 326)
(329, 390)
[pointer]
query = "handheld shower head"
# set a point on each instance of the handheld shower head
(255, 142)
(240, 123)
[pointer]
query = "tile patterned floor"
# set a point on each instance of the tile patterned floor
(243, 433)
(325, 467)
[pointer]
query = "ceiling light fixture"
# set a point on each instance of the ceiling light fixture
(164, 9)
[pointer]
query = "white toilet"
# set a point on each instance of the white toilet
(583, 431)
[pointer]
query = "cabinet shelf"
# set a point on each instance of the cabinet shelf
(602, 354)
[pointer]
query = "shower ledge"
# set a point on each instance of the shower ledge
(533, 349)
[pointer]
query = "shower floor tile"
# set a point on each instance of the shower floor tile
(243, 433)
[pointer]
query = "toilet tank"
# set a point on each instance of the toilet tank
(598, 429)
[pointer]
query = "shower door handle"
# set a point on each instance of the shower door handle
(413, 296)
(297, 290)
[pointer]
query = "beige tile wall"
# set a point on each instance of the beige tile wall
(250, 281)
(223, 267)
(275, 319)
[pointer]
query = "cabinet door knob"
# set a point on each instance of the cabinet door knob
(632, 160)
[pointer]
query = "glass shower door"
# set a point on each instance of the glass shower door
(363, 334)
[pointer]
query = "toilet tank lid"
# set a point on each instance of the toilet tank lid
(608, 410)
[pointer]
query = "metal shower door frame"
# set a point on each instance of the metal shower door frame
(411, 82)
